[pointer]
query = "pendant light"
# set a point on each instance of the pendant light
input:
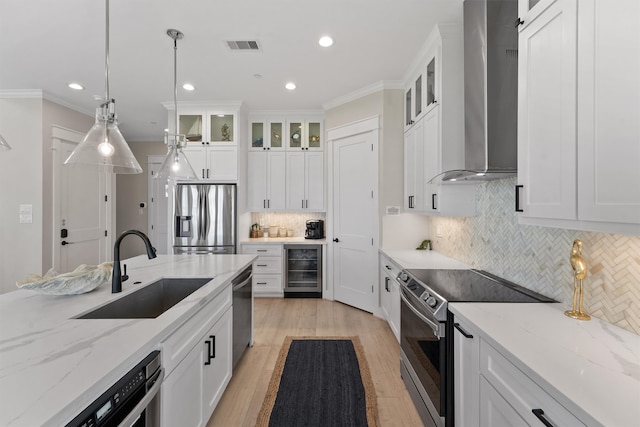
(175, 166)
(4, 145)
(104, 146)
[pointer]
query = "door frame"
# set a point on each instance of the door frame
(58, 134)
(369, 124)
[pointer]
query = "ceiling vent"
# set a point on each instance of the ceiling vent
(243, 45)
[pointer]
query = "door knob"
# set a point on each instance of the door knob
(64, 242)
(336, 240)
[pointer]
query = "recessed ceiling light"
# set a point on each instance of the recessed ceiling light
(75, 86)
(188, 86)
(290, 86)
(325, 41)
(166, 129)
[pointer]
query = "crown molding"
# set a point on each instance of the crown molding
(367, 90)
(40, 94)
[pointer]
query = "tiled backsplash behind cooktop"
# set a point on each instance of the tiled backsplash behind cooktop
(538, 257)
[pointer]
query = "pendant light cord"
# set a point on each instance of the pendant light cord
(106, 56)
(175, 86)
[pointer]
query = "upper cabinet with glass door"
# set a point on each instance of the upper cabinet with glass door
(421, 93)
(529, 10)
(208, 124)
(266, 134)
(305, 135)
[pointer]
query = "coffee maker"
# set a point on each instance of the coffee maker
(315, 229)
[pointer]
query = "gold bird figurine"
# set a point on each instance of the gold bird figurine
(579, 266)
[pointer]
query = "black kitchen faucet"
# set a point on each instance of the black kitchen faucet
(116, 279)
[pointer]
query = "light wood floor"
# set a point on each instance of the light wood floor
(275, 318)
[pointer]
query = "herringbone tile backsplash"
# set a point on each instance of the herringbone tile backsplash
(538, 257)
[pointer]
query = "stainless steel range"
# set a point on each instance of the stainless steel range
(425, 324)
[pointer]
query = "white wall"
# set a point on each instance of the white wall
(26, 178)
(20, 183)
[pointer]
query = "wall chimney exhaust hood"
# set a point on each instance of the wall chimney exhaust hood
(490, 91)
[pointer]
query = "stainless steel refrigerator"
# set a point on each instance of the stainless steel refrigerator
(205, 219)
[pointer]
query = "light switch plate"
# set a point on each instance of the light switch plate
(26, 214)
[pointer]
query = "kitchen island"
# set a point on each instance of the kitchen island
(53, 365)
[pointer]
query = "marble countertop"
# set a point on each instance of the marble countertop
(273, 240)
(53, 365)
(411, 258)
(592, 368)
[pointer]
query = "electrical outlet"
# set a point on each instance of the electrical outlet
(438, 231)
(26, 214)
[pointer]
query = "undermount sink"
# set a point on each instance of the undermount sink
(148, 302)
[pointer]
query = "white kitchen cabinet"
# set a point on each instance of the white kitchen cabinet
(305, 134)
(414, 181)
(609, 112)
(421, 89)
(267, 181)
(466, 356)
(305, 181)
(211, 127)
(547, 113)
(214, 163)
(434, 138)
(217, 362)
(267, 134)
(390, 294)
(194, 386)
(490, 391)
(578, 116)
(531, 402)
(267, 269)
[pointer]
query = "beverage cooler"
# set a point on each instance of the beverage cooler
(303, 271)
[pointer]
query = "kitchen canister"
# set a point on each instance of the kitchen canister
(289, 232)
(273, 231)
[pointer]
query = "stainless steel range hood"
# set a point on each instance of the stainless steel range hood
(490, 90)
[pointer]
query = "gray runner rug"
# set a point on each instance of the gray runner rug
(320, 381)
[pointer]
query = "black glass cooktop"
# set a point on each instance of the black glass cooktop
(474, 286)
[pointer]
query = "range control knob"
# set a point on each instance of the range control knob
(404, 277)
(425, 296)
(431, 302)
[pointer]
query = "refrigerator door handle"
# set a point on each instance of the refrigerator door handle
(207, 216)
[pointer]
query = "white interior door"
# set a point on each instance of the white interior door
(83, 208)
(158, 223)
(355, 175)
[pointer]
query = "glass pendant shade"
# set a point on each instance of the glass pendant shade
(105, 147)
(176, 166)
(4, 145)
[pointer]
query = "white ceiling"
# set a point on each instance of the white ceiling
(47, 44)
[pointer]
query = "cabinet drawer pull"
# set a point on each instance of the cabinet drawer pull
(462, 331)
(213, 346)
(261, 265)
(518, 208)
(261, 283)
(539, 413)
(261, 250)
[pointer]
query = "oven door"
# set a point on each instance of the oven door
(423, 342)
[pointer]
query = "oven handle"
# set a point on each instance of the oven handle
(434, 325)
(142, 405)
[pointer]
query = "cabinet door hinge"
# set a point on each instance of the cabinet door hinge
(371, 147)
(371, 288)
(105, 233)
(372, 241)
(106, 198)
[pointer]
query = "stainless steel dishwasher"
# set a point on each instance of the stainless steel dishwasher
(242, 313)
